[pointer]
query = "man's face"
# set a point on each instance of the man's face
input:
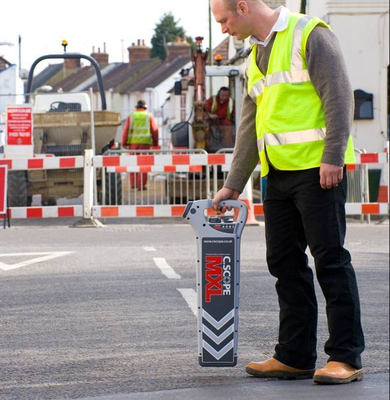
(224, 96)
(232, 23)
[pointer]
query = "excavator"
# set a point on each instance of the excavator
(195, 83)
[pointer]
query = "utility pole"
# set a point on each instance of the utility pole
(210, 36)
(20, 56)
(210, 46)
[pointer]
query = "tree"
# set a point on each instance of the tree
(166, 31)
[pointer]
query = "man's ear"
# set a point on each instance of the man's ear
(242, 8)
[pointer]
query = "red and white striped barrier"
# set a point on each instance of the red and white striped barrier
(46, 212)
(138, 211)
(162, 160)
(199, 159)
(43, 163)
(367, 209)
(178, 210)
(166, 169)
(144, 164)
(372, 158)
(2, 156)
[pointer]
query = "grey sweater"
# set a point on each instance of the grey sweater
(329, 76)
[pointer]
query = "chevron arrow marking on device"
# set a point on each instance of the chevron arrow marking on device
(217, 324)
(218, 354)
(218, 339)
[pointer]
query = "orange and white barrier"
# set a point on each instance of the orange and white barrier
(43, 163)
(162, 160)
(165, 168)
(138, 211)
(159, 163)
(372, 158)
(46, 212)
(367, 209)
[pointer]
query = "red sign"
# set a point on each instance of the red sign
(3, 189)
(19, 125)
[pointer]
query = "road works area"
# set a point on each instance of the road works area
(108, 313)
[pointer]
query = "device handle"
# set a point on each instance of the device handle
(203, 205)
(238, 205)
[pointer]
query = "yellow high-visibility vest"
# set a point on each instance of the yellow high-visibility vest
(139, 130)
(290, 120)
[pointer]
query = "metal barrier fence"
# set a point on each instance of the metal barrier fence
(174, 178)
(29, 192)
(158, 200)
(174, 182)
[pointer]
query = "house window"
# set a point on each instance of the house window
(364, 105)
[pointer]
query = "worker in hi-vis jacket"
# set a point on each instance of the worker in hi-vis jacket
(139, 133)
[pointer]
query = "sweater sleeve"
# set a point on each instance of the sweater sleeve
(125, 132)
(246, 155)
(154, 130)
(329, 75)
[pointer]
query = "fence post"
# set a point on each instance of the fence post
(88, 184)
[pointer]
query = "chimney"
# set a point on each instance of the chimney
(139, 52)
(180, 48)
(72, 63)
(101, 58)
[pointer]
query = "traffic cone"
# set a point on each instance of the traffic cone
(247, 198)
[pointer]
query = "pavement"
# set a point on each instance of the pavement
(374, 386)
(95, 318)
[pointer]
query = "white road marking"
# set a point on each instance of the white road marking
(166, 269)
(45, 257)
(147, 248)
(190, 297)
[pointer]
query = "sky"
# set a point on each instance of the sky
(43, 24)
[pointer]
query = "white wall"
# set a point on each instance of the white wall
(293, 5)
(10, 85)
(362, 27)
(363, 30)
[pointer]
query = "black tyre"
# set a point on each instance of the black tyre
(17, 189)
(113, 189)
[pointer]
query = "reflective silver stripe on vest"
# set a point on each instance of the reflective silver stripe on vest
(136, 136)
(296, 56)
(288, 77)
(293, 77)
(260, 145)
(257, 89)
(297, 73)
(140, 128)
(311, 135)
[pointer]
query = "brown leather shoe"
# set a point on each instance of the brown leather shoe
(337, 372)
(275, 369)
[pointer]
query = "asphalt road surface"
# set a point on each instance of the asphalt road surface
(87, 312)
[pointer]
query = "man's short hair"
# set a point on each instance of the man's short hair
(224, 89)
(232, 4)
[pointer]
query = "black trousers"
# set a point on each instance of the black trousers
(299, 213)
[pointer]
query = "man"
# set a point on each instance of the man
(220, 109)
(139, 133)
(221, 106)
(300, 104)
